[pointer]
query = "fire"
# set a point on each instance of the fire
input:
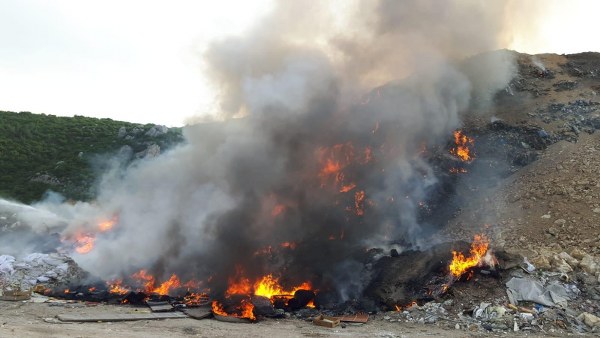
(244, 310)
(359, 203)
(117, 288)
(463, 144)
(106, 225)
(269, 286)
(196, 299)
(277, 210)
(331, 167)
(348, 187)
(460, 264)
(172, 283)
(238, 285)
(288, 245)
(85, 243)
(147, 280)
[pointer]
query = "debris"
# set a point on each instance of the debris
(159, 306)
(525, 289)
(589, 319)
(15, 294)
(326, 321)
(119, 317)
(588, 264)
(232, 319)
(198, 312)
(356, 318)
(528, 267)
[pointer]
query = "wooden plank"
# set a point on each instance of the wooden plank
(119, 317)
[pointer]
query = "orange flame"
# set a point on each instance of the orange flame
(277, 210)
(289, 245)
(116, 287)
(244, 310)
(359, 203)
(106, 225)
(348, 187)
(85, 243)
(238, 285)
(462, 149)
(196, 299)
(460, 264)
(269, 286)
(164, 288)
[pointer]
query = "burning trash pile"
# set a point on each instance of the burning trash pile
(317, 192)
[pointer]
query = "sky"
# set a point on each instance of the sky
(141, 60)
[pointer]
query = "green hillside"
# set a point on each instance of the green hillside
(64, 154)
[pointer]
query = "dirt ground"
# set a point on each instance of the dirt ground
(26, 319)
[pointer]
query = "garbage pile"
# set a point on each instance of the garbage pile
(37, 269)
(535, 300)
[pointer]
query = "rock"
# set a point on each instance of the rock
(559, 264)
(567, 258)
(596, 210)
(152, 151)
(553, 231)
(588, 264)
(560, 221)
(157, 130)
(589, 319)
(46, 179)
(457, 326)
(122, 132)
(546, 216)
(541, 262)
(577, 253)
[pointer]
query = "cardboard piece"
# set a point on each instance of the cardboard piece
(326, 321)
(355, 318)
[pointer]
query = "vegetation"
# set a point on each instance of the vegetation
(46, 152)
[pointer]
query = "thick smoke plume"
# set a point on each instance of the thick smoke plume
(338, 105)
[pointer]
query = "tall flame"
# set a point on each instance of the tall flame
(460, 263)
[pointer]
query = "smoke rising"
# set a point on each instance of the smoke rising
(337, 111)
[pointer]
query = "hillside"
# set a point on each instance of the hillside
(64, 154)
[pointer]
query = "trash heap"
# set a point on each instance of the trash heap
(37, 269)
(546, 301)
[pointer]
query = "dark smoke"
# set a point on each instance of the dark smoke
(369, 90)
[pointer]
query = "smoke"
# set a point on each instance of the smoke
(337, 111)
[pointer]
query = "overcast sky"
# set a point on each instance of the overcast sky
(140, 61)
